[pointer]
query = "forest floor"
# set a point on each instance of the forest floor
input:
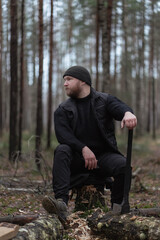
(22, 187)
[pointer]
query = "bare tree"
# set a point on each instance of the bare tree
(140, 75)
(125, 40)
(39, 122)
(21, 76)
(49, 125)
(105, 13)
(97, 46)
(151, 71)
(14, 81)
(1, 112)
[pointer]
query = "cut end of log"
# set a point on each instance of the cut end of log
(8, 230)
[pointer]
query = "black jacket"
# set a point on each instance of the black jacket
(106, 109)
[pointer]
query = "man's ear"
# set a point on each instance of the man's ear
(82, 83)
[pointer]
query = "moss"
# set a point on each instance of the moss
(10, 210)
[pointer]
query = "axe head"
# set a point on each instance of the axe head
(117, 208)
(121, 208)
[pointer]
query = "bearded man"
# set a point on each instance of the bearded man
(84, 127)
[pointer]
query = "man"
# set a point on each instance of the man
(85, 130)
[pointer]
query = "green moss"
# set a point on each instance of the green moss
(10, 210)
(67, 237)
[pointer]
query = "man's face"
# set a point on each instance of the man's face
(72, 86)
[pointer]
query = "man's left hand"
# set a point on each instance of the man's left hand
(129, 120)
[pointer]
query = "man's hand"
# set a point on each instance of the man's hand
(129, 120)
(90, 158)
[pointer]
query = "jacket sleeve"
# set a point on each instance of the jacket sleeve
(117, 108)
(64, 131)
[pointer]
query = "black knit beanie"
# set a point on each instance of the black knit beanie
(80, 73)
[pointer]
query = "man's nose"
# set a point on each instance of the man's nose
(65, 83)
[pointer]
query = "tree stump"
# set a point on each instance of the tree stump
(88, 197)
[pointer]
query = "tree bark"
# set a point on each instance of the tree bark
(39, 123)
(21, 77)
(128, 226)
(13, 145)
(140, 92)
(152, 72)
(105, 13)
(50, 80)
(1, 112)
(97, 47)
(125, 74)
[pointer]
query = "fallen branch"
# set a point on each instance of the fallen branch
(19, 219)
(147, 212)
(21, 190)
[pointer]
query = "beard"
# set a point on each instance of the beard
(74, 92)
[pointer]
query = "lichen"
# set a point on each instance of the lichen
(99, 225)
(107, 225)
(142, 236)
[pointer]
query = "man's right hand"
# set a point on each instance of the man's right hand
(90, 158)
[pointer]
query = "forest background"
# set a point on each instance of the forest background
(116, 40)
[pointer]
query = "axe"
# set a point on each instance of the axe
(124, 207)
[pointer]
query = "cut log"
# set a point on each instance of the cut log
(46, 227)
(127, 226)
(8, 230)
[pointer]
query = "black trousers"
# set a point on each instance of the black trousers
(67, 163)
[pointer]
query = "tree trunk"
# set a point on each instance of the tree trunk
(151, 88)
(114, 82)
(140, 77)
(21, 77)
(105, 14)
(152, 72)
(14, 82)
(1, 112)
(125, 41)
(97, 47)
(34, 55)
(128, 226)
(49, 125)
(70, 16)
(39, 123)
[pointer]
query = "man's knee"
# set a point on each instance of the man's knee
(121, 169)
(63, 148)
(62, 156)
(120, 165)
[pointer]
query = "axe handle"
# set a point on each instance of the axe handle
(128, 174)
